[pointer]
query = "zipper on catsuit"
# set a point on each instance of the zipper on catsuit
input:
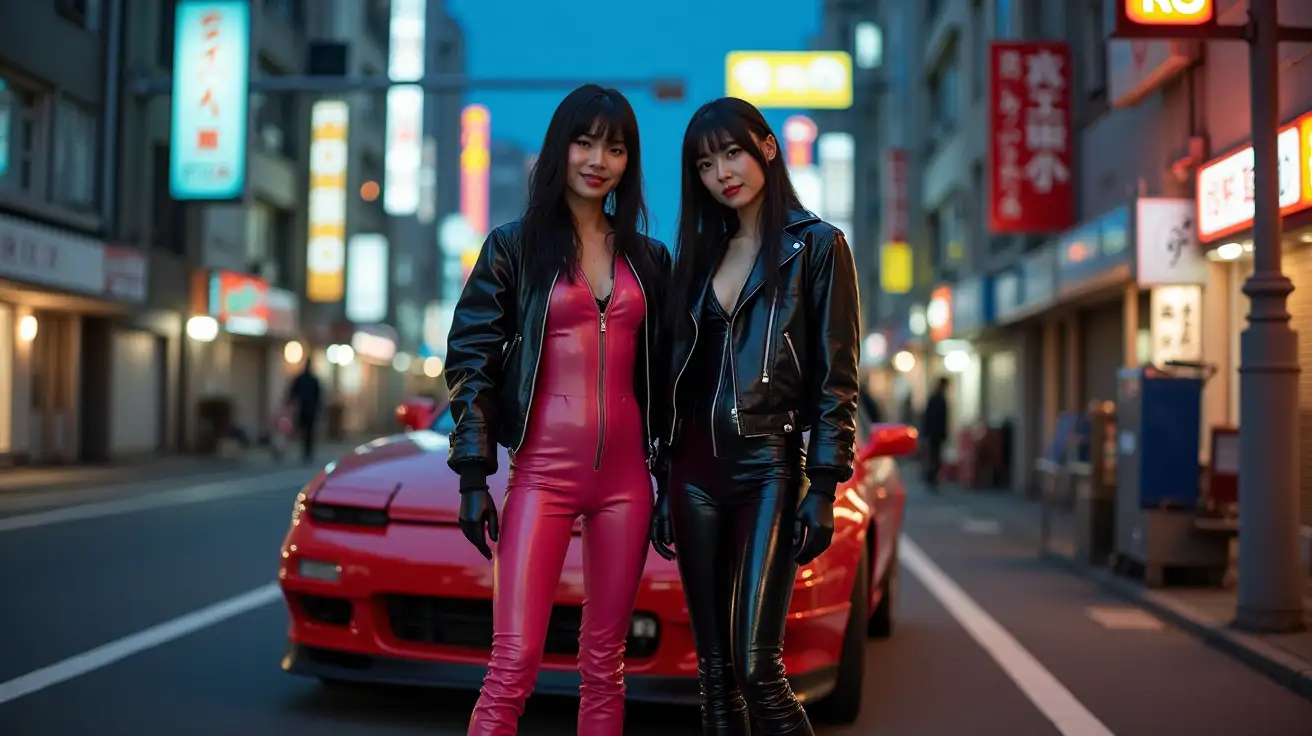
(601, 387)
(537, 363)
(601, 365)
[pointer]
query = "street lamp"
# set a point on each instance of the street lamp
(1270, 582)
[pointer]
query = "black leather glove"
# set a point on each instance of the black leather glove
(813, 528)
(662, 529)
(478, 512)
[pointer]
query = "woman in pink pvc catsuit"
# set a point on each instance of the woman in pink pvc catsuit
(548, 355)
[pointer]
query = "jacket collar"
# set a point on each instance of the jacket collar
(789, 246)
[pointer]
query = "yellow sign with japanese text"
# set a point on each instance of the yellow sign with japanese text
(814, 80)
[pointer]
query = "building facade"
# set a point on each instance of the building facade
(70, 280)
(1161, 228)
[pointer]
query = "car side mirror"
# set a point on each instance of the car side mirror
(892, 440)
(416, 414)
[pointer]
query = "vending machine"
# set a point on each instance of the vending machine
(1158, 422)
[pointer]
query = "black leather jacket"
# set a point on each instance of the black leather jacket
(495, 343)
(794, 356)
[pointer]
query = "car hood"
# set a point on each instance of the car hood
(407, 475)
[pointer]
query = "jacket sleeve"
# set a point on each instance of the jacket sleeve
(834, 309)
(481, 327)
(662, 398)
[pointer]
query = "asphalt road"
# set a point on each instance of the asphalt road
(1016, 648)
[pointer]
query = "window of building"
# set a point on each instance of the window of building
(292, 11)
(1003, 11)
(168, 218)
(378, 21)
(21, 133)
(168, 11)
(85, 13)
(276, 117)
(259, 232)
(944, 94)
(76, 155)
(978, 52)
(285, 232)
(1097, 27)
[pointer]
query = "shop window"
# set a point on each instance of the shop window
(77, 158)
(6, 378)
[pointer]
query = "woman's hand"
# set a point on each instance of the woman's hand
(662, 529)
(813, 529)
(478, 513)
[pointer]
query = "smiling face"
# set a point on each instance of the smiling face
(596, 164)
(732, 174)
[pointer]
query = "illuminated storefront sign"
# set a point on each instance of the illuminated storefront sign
(325, 259)
(366, 278)
(405, 108)
(211, 89)
(938, 315)
(1225, 185)
(816, 80)
(245, 305)
(1169, 12)
(475, 158)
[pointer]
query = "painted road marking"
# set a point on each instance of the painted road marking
(1125, 618)
(981, 526)
(149, 501)
(114, 651)
(1038, 684)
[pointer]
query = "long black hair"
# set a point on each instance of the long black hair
(705, 225)
(550, 235)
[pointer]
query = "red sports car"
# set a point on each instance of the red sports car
(383, 587)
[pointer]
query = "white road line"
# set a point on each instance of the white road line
(114, 651)
(1038, 684)
(148, 501)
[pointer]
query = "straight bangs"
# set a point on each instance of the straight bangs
(601, 119)
(714, 132)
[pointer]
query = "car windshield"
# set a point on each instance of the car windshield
(445, 423)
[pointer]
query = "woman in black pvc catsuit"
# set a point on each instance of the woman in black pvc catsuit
(764, 336)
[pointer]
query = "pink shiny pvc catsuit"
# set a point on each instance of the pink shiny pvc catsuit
(584, 456)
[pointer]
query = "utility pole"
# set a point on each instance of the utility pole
(1270, 582)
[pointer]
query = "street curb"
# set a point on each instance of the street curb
(1282, 667)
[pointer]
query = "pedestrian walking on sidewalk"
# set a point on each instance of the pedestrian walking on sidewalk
(934, 429)
(305, 396)
(550, 354)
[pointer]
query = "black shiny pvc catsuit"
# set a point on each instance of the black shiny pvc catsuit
(732, 503)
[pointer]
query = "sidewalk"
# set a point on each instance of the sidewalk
(26, 489)
(1203, 612)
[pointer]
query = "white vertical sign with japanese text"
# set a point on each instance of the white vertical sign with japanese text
(210, 101)
(1176, 324)
(405, 108)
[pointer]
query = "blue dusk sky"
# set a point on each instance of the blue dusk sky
(570, 39)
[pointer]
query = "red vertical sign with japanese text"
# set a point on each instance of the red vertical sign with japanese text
(1030, 142)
